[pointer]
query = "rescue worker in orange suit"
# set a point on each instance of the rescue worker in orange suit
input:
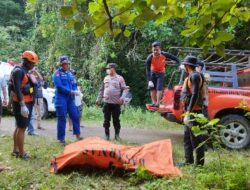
(66, 90)
(155, 69)
(193, 101)
(21, 89)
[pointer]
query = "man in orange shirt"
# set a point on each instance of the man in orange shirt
(155, 68)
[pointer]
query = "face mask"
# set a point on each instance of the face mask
(198, 69)
(182, 67)
(108, 71)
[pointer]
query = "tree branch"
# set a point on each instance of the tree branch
(217, 23)
(118, 14)
(109, 14)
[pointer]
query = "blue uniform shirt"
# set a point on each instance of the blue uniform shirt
(64, 82)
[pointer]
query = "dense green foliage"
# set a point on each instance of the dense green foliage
(207, 23)
(38, 25)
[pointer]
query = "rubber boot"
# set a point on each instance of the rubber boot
(107, 134)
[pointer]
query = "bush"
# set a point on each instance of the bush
(130, 117)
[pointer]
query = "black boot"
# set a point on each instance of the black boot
(117, 137)
(107, 134)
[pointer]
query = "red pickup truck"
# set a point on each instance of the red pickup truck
(228, 87)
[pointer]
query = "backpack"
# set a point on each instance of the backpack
(26, 90)
(202, 99)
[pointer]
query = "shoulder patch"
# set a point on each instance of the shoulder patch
(57, 73)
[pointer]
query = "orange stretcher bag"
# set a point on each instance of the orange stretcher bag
(155, 157)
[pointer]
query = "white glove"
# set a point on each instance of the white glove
(24, 111)
(150, 84)
(181, 67)
(186, 120)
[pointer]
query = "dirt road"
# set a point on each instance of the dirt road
(132, 135)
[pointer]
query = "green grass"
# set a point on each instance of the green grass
(34, 174)
(131, 117)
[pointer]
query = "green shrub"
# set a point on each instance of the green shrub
(131, 117)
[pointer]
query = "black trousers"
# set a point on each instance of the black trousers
(193, 143)
(113, 110)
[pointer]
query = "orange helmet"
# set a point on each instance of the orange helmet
(30, 56)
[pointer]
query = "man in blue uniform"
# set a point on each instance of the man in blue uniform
(66, 90)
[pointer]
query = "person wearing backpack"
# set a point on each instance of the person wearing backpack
(155, 70)
(21, 89)
(193, 100)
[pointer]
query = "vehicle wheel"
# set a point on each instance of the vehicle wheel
(236, 134)
(45, 110)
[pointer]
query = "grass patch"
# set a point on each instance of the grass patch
(34, 174)
(133, 117)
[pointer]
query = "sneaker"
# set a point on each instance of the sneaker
(40, 128)
(32, 134)
(15, 154)
(183, 164)
(62, 142)
(24, 157)
(79, 138)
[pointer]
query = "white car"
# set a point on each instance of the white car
(48, 101)
(48, 94)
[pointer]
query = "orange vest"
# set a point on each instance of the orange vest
(158, 64)
(199, 103)
(26, 98)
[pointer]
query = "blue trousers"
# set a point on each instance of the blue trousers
(67, 106)
(30, 128)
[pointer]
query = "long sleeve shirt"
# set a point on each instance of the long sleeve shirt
(64, 82)
(195, 80)
(112, 90)
(18, 75)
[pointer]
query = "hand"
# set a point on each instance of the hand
(77, 93)
(121, 101)
(5, 102)
(9, 106)
(97, 102)
(181, 67)
(187, 120)
(150, 84)
(24, 111)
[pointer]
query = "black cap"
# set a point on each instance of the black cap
(156, 44)
(111, 66)
(190, 60)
